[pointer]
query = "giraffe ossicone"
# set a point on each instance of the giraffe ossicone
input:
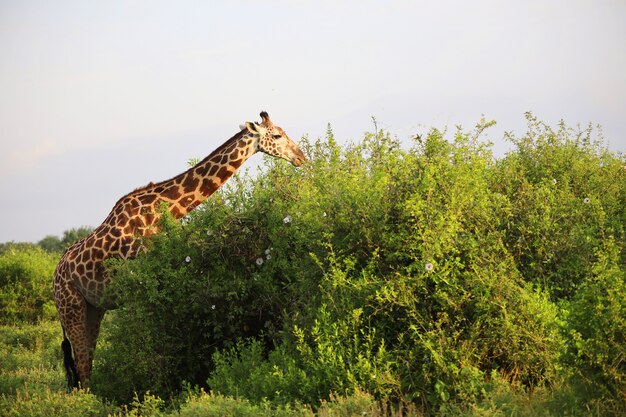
(80, 278)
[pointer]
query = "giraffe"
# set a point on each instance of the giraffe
(80, 277)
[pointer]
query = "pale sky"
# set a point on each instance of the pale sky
(99, 98)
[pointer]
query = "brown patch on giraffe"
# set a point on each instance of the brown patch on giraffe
(131, 227)
(132, 208)
(230, 148)
(190, 183)
(115, 247)
(147, 198)
(172, 193)
(97, 254)
(208, 187)
(149, 217)
(176, 212)
(202, 170)
(127, 244)
(223, 173)
(236, 163)
(122, 220)
(186, 201)
(193, 205)
(137, 222)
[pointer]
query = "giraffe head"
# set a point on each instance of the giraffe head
(273, 140)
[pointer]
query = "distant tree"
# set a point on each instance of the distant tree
(72, 235)
(51, 243)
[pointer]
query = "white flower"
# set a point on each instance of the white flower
(553, 181)
(429, 266)
(259, 261)
(287, 219)
(188, 259)
(213, 307)
(209, 233)
(268, 256)
(268, 250)
(324, 214)
(586, 200)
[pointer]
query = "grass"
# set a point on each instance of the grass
(32, 383)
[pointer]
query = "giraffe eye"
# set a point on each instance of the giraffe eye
(276, 136)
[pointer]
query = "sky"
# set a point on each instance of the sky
(99, 98)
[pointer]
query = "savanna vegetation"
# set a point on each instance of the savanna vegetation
(427, 278)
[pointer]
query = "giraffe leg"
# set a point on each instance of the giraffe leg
(94, 318)
(73, 315)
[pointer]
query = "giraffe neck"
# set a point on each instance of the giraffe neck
(136, 214)
(187, 190)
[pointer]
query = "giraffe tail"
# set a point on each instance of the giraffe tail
(68, 362)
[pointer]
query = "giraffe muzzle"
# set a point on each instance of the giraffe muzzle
(298, 158)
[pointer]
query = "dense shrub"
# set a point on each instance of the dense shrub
(26, 275)
(54, 403)
(568, 195)
(596, 330)
(28, 350)
(428, 274)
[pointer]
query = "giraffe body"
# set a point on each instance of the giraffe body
(80, 278)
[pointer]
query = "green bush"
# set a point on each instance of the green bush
(26, 285)
(54, 403)
(417, 274)
(218, 405)
(436, 303)
(247, 371)
(596, 332)
(30, 354)
(32, 377)
(568, 195)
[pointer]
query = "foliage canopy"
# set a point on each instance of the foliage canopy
(427, 275)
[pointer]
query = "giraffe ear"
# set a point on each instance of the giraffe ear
(266, 118)
(252, 127)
